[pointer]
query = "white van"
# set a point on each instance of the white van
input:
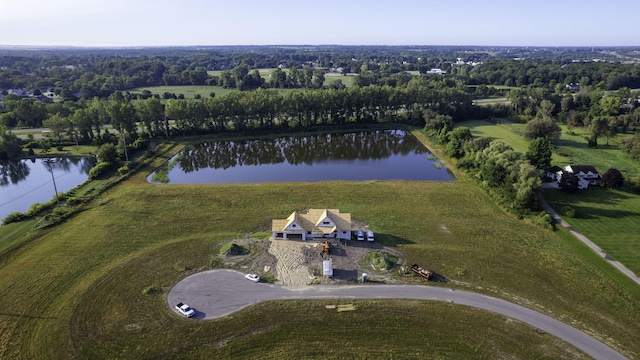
(360, 235)
(370, 236)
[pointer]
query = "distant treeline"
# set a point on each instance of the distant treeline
(89, 73)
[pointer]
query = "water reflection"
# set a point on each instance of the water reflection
(12, 172)
(351, 156)
(25, 182)
(298, 150)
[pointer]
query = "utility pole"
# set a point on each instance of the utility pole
(55, 188)
(124, 142)
(166, 124)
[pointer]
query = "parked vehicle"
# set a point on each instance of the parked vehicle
(185, 310)
(360, 235)
(370, 236)
(253, 277)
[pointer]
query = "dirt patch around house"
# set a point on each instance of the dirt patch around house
(299, 263)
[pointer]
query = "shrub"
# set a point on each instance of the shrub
(14, 217)
(74, 200)
(634, 183)
(108, 153)
(100, 169)
(545, 220)
(568, 211)
(59, 147)
(123, 170)
(152, 290)
(35, 209)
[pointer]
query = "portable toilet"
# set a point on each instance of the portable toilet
(327, 268)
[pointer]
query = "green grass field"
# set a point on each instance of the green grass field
(77, 290)
(574, 150)
(571, 148)
(609, 218)
(510, 133)
(189, 91)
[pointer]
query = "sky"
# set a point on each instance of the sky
(116, 23)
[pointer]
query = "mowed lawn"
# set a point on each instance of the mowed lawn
(610, 218)
(504, 130)
(78, 290)
(572, 148)
(189, 91)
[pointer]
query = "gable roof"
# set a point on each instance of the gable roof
(582, 168)
(317, 221)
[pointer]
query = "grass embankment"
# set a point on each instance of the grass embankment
(77, 290)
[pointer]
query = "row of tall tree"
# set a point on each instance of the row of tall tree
(260, 109)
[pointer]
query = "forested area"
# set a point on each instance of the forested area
(390, 84)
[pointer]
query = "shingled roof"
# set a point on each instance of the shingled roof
(318, 221)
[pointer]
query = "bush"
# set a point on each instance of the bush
(100, 169)
(152, 290)
(545, 220)
(14, 217)
(59, 147)
(35, 209)
(634, 184)
(73, 200)
(123, 170)
(568, 211)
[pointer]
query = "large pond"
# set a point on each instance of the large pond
(25, 182)
(375, 155)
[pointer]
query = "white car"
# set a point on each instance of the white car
(185, 310)
(360, 235)
(370, 236)
(253, 277)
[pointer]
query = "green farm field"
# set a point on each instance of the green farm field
(189, 91)
(78, 290)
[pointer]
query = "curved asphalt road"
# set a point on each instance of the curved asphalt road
(217, 293)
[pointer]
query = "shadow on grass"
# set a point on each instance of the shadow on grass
(588, 213)
(569, 143)
(25, 316)
(392, 240)
(597, 196)
(435, 277)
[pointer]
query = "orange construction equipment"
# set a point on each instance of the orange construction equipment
(326, 247)
(422, 272)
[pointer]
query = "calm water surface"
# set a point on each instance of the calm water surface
(25, 182)
(377, 155)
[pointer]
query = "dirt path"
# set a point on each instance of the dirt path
(292, 265)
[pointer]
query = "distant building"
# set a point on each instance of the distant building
(436, 72)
